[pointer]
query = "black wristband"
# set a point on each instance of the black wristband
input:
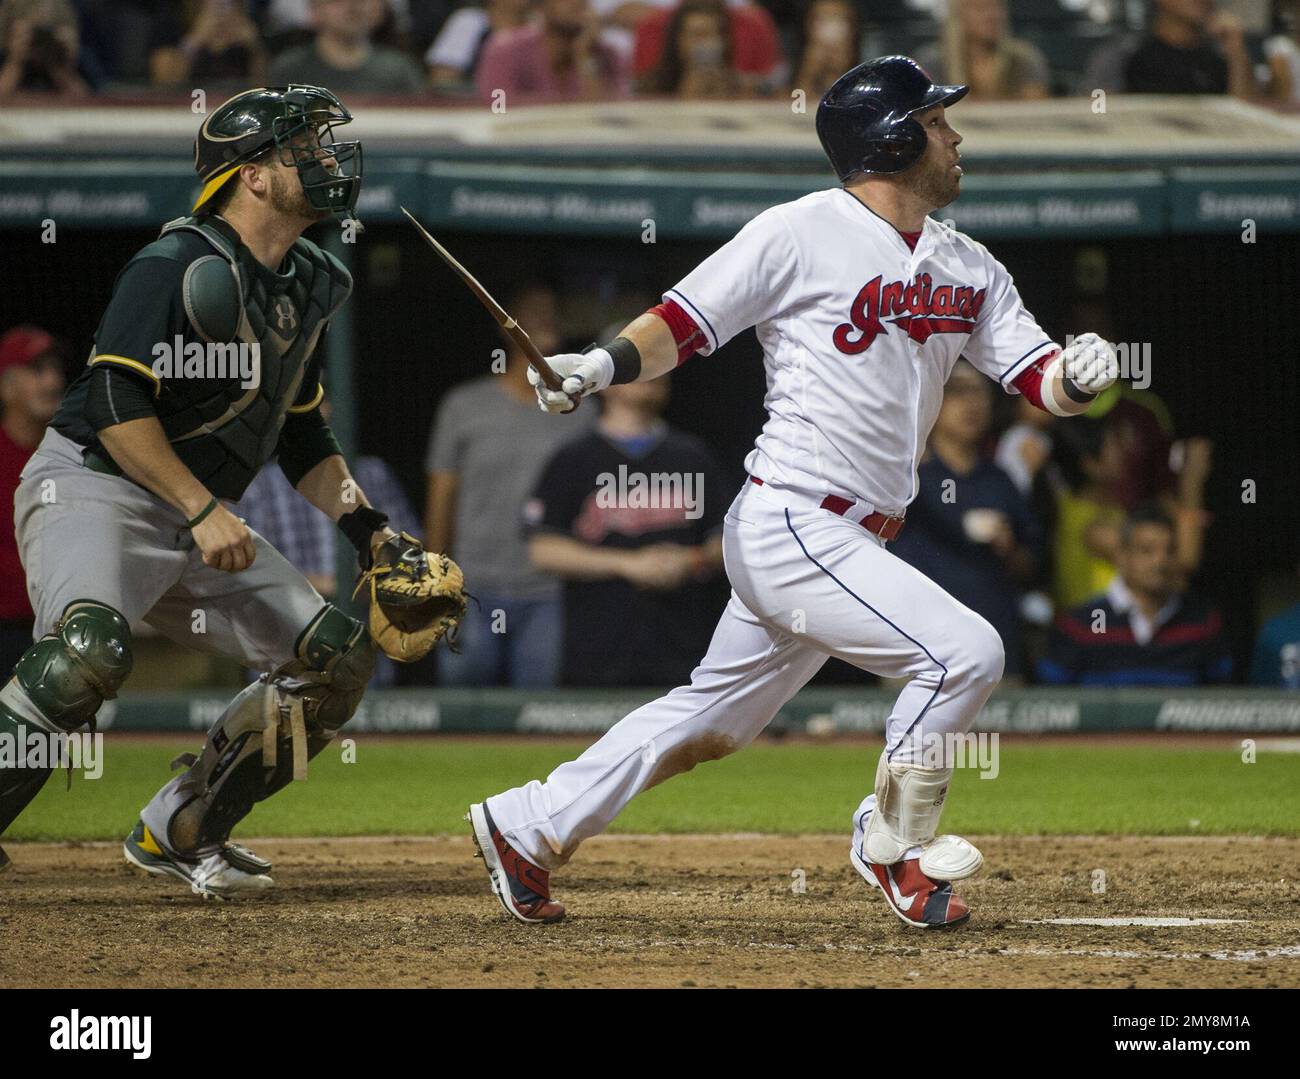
(1073, 392)
(627, 360)
(359, 526)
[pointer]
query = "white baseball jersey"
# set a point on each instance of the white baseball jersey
(859, 335)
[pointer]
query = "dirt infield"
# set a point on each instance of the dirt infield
(661, 911)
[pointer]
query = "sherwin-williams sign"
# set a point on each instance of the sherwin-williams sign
(629, 202)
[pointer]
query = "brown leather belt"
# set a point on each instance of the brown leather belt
(884, 525)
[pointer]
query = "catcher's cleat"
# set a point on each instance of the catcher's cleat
(523, 888)
(245, 859)
(223, 875)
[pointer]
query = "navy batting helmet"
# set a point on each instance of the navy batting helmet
(865, 120)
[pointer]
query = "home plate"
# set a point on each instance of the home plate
(1133, 921)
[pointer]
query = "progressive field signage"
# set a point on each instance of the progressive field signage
(814, 711)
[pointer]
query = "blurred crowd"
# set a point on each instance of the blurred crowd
(535, 51)
(1079, 540)
(592, 545)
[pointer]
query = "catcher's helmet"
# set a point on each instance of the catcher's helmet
(295, 121)
(865, 120)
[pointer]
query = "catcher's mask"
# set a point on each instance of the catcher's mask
(298, 123)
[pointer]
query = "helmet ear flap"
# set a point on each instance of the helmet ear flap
(893, 151)
(907, 141)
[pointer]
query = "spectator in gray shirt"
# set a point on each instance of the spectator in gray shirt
(342, 57)
(489, 444)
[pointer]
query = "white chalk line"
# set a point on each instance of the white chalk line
(1225, 955)
(1278, 745)
(1245, 955)
(1164, 922)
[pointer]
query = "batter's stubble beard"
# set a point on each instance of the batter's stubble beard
(935, 185)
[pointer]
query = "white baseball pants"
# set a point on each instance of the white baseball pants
(806, 584)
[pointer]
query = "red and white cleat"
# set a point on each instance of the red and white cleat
(918, 887)
(523, 888)
(916, 899)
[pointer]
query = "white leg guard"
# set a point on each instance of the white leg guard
(909, 802)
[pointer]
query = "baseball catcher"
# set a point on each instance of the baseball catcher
(206, 363)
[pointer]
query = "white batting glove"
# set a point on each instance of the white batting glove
(583, 374)
(1090, 363)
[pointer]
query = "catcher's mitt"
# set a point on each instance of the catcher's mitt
(415, 598)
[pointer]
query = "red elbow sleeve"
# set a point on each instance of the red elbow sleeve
(686, 334)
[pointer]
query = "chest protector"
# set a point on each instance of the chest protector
(223, 429)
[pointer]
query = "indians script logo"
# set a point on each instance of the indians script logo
(916, 308)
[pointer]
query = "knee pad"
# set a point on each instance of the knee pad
(62, 679)
(335, 661)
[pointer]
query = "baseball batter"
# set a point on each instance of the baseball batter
(121, 514)
(862, 305)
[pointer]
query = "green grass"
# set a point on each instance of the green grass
(422, 786)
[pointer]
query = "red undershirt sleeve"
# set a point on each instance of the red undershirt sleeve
(687, 335)
(1030, 381)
